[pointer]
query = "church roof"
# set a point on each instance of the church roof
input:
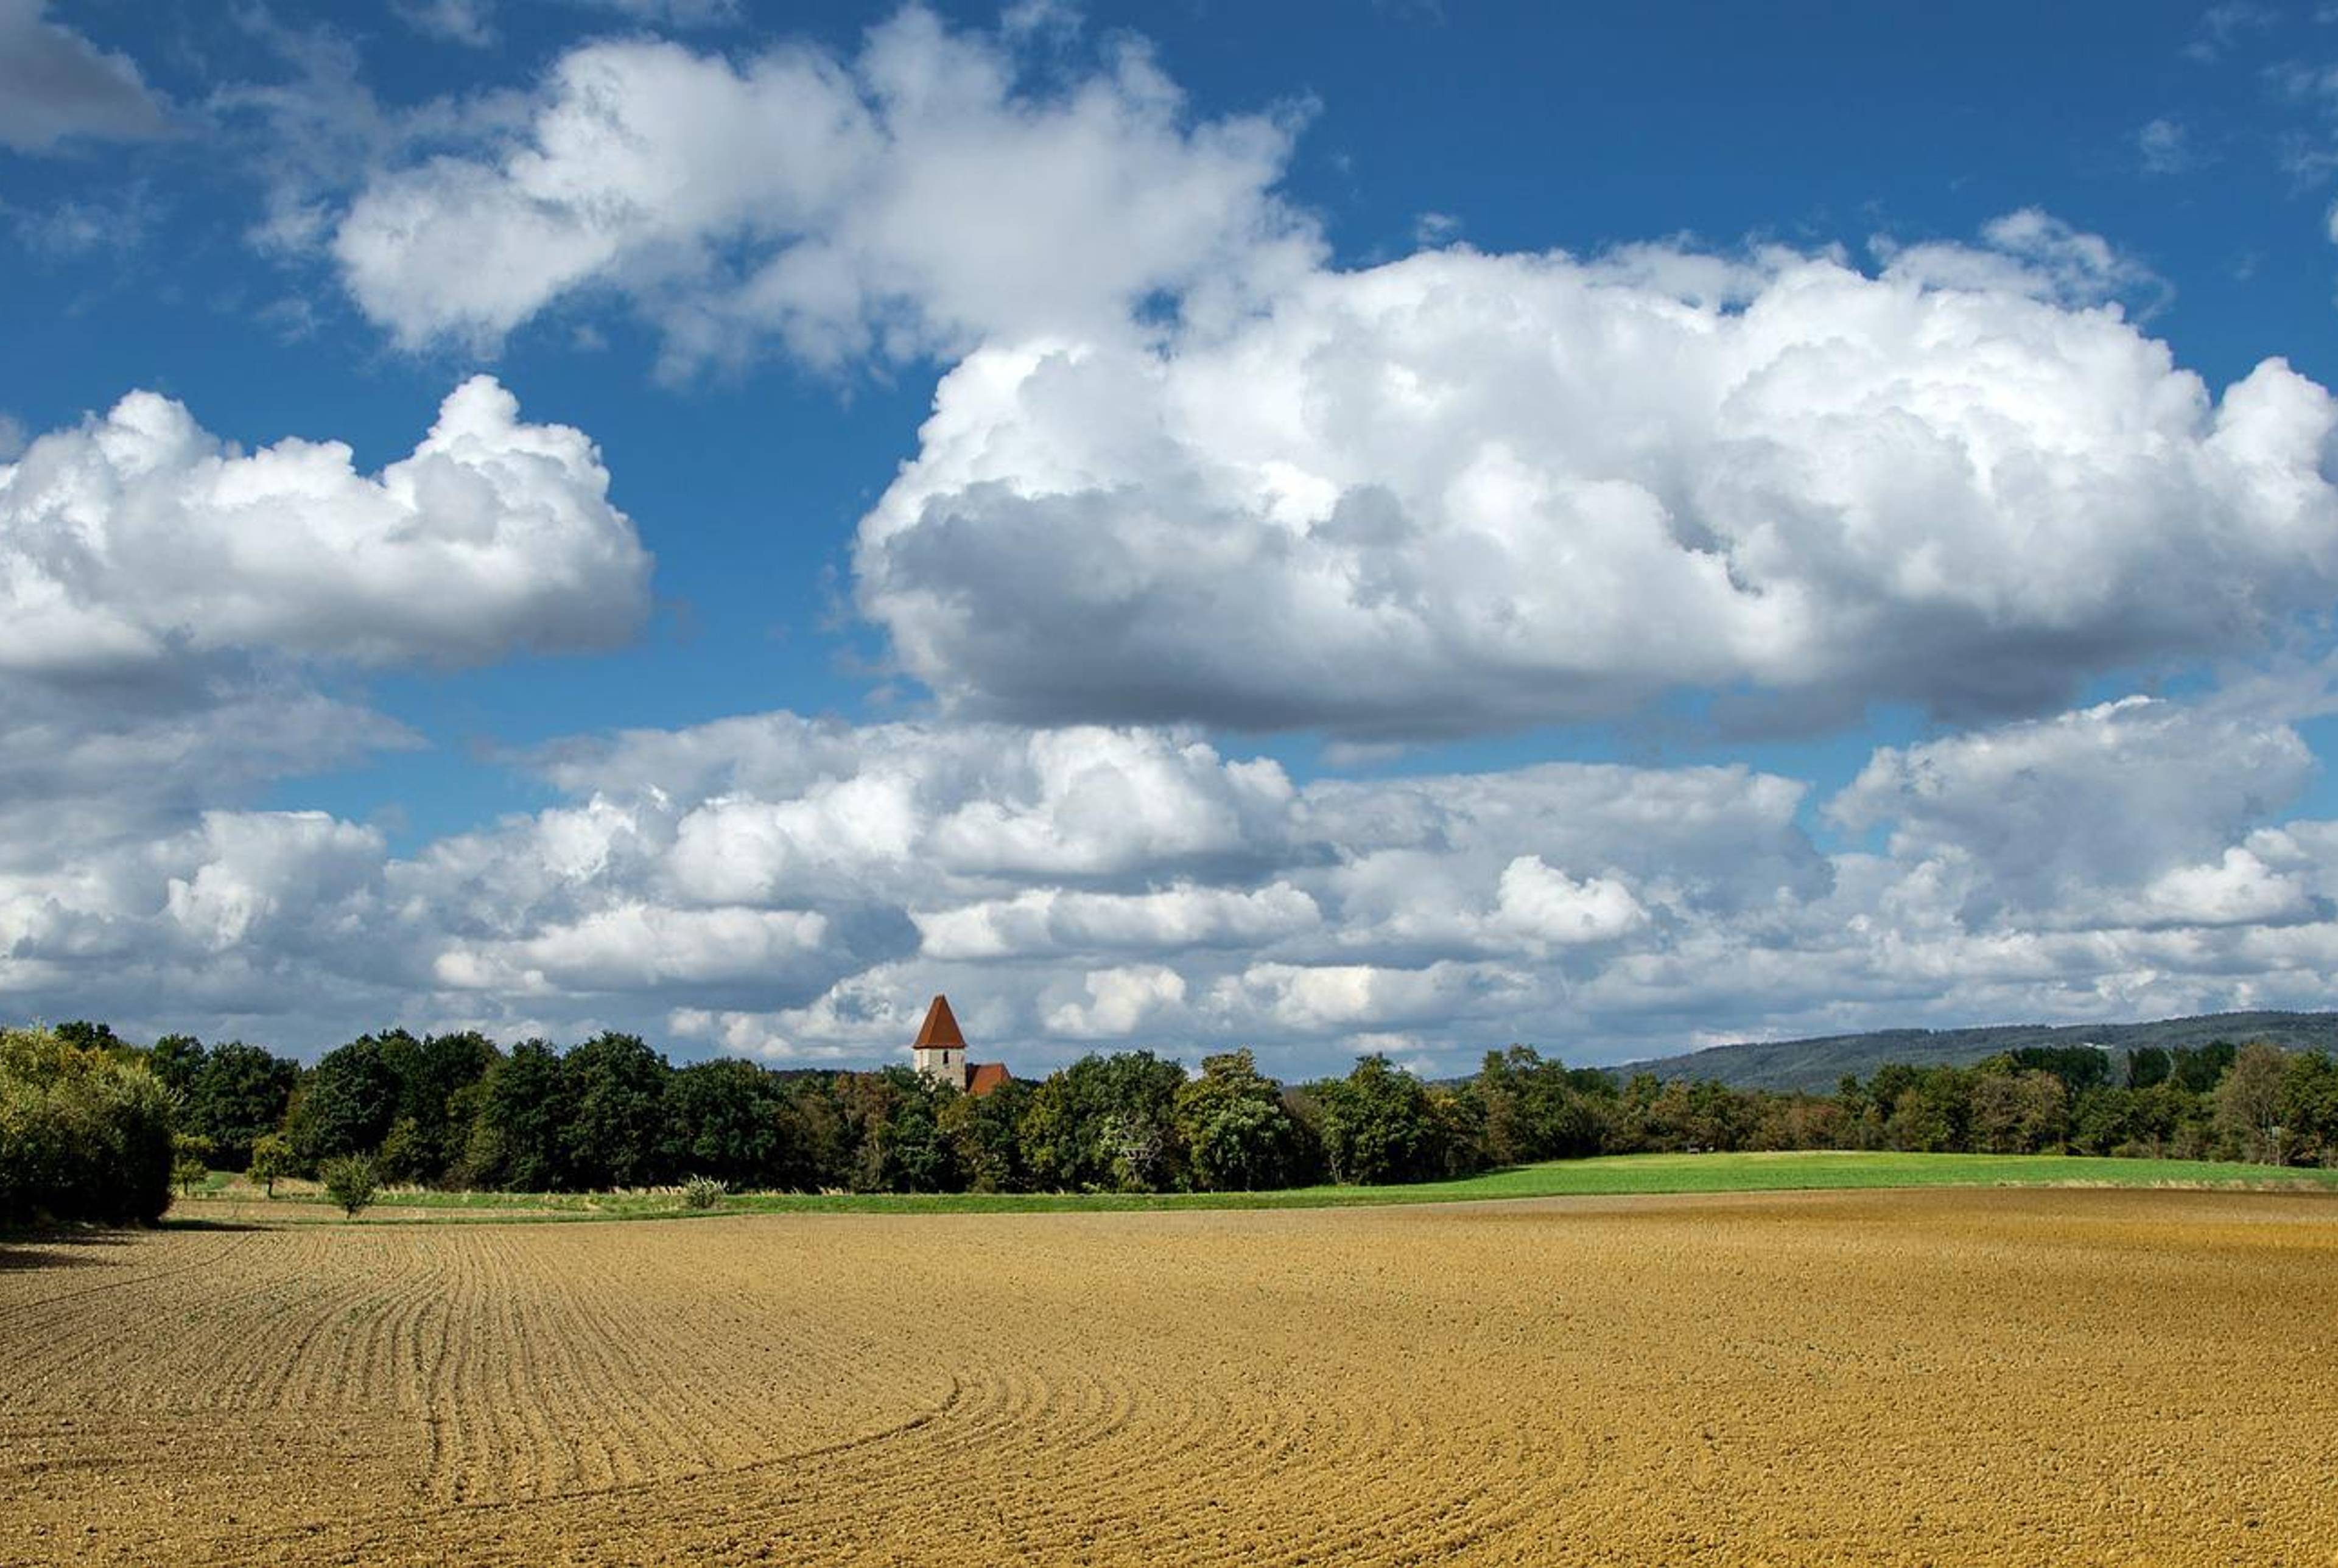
(940, 1027)
(987, 1076)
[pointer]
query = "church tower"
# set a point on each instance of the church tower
(940, 1050)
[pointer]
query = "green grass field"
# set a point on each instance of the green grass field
(1613, 1175)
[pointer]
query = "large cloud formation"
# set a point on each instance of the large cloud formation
(168, 603)
(1183, 470)
(1112, 886)
(139, 536)
(796, 888)
(918, 197)
(1465, 491)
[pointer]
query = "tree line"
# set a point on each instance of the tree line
(93, 1128)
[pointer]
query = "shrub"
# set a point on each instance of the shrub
(703, 1192)
(83, 1133)
(350, 1181)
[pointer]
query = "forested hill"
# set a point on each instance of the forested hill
(1820, 1065)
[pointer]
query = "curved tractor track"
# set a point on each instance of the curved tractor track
(1877, 1378)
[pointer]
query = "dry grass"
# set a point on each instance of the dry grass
(1870, 1377)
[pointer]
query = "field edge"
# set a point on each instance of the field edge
(1613, 1175)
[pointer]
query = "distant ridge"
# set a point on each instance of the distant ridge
(1818, 1064)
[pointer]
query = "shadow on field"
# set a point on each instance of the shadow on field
(58, 1249)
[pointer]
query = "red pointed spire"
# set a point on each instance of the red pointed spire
(940, 1027)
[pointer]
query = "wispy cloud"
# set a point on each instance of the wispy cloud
(2166, 147)
(2223, 25)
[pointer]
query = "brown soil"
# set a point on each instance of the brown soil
(1905, 1377)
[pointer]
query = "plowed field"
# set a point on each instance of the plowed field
(1901, 1377)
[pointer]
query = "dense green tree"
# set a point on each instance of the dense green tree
(403, 1156)
(1862, 1116)
(1925, 1110)
(1106, 1123)
(2250, 1103)
(518, 1139)
(2200, 1068)
(240, 1093)
(1802, 1122)
(2309, 1094)
(914, 1156)
(2103, 1120)
(864, 1105)
(612, 1111)
(2169, 1123)
(1460, 1132)
(1628, 1130)
(1238, 1136)
(346, 1104)
(892, 1122)
(2080, 1067)
(438, 1086)
(1378, 1125)
(1919, 1124)
(83, 1034)
(1534, 1109)
(729, 1121)
(985, 1134)
(1709, 1115)
(1311, 1166)
(820, 1144)
(2018, 1111)
(1508, 1139)
(177, 1060)
(616, 1132)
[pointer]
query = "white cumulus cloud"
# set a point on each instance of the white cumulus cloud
(917, 196)
(1119, 1001)
(631, 946)
(2123, 860)
(1047, 920)
(2106, 798)
(1463, 491)
(139, 536)
(1552, 906)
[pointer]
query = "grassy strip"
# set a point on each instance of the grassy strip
(1608, 1176)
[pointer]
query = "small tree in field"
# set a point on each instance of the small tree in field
(350, 1181)
(190, 1162)
(271, 1161)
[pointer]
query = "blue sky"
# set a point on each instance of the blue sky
(1440, 525)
